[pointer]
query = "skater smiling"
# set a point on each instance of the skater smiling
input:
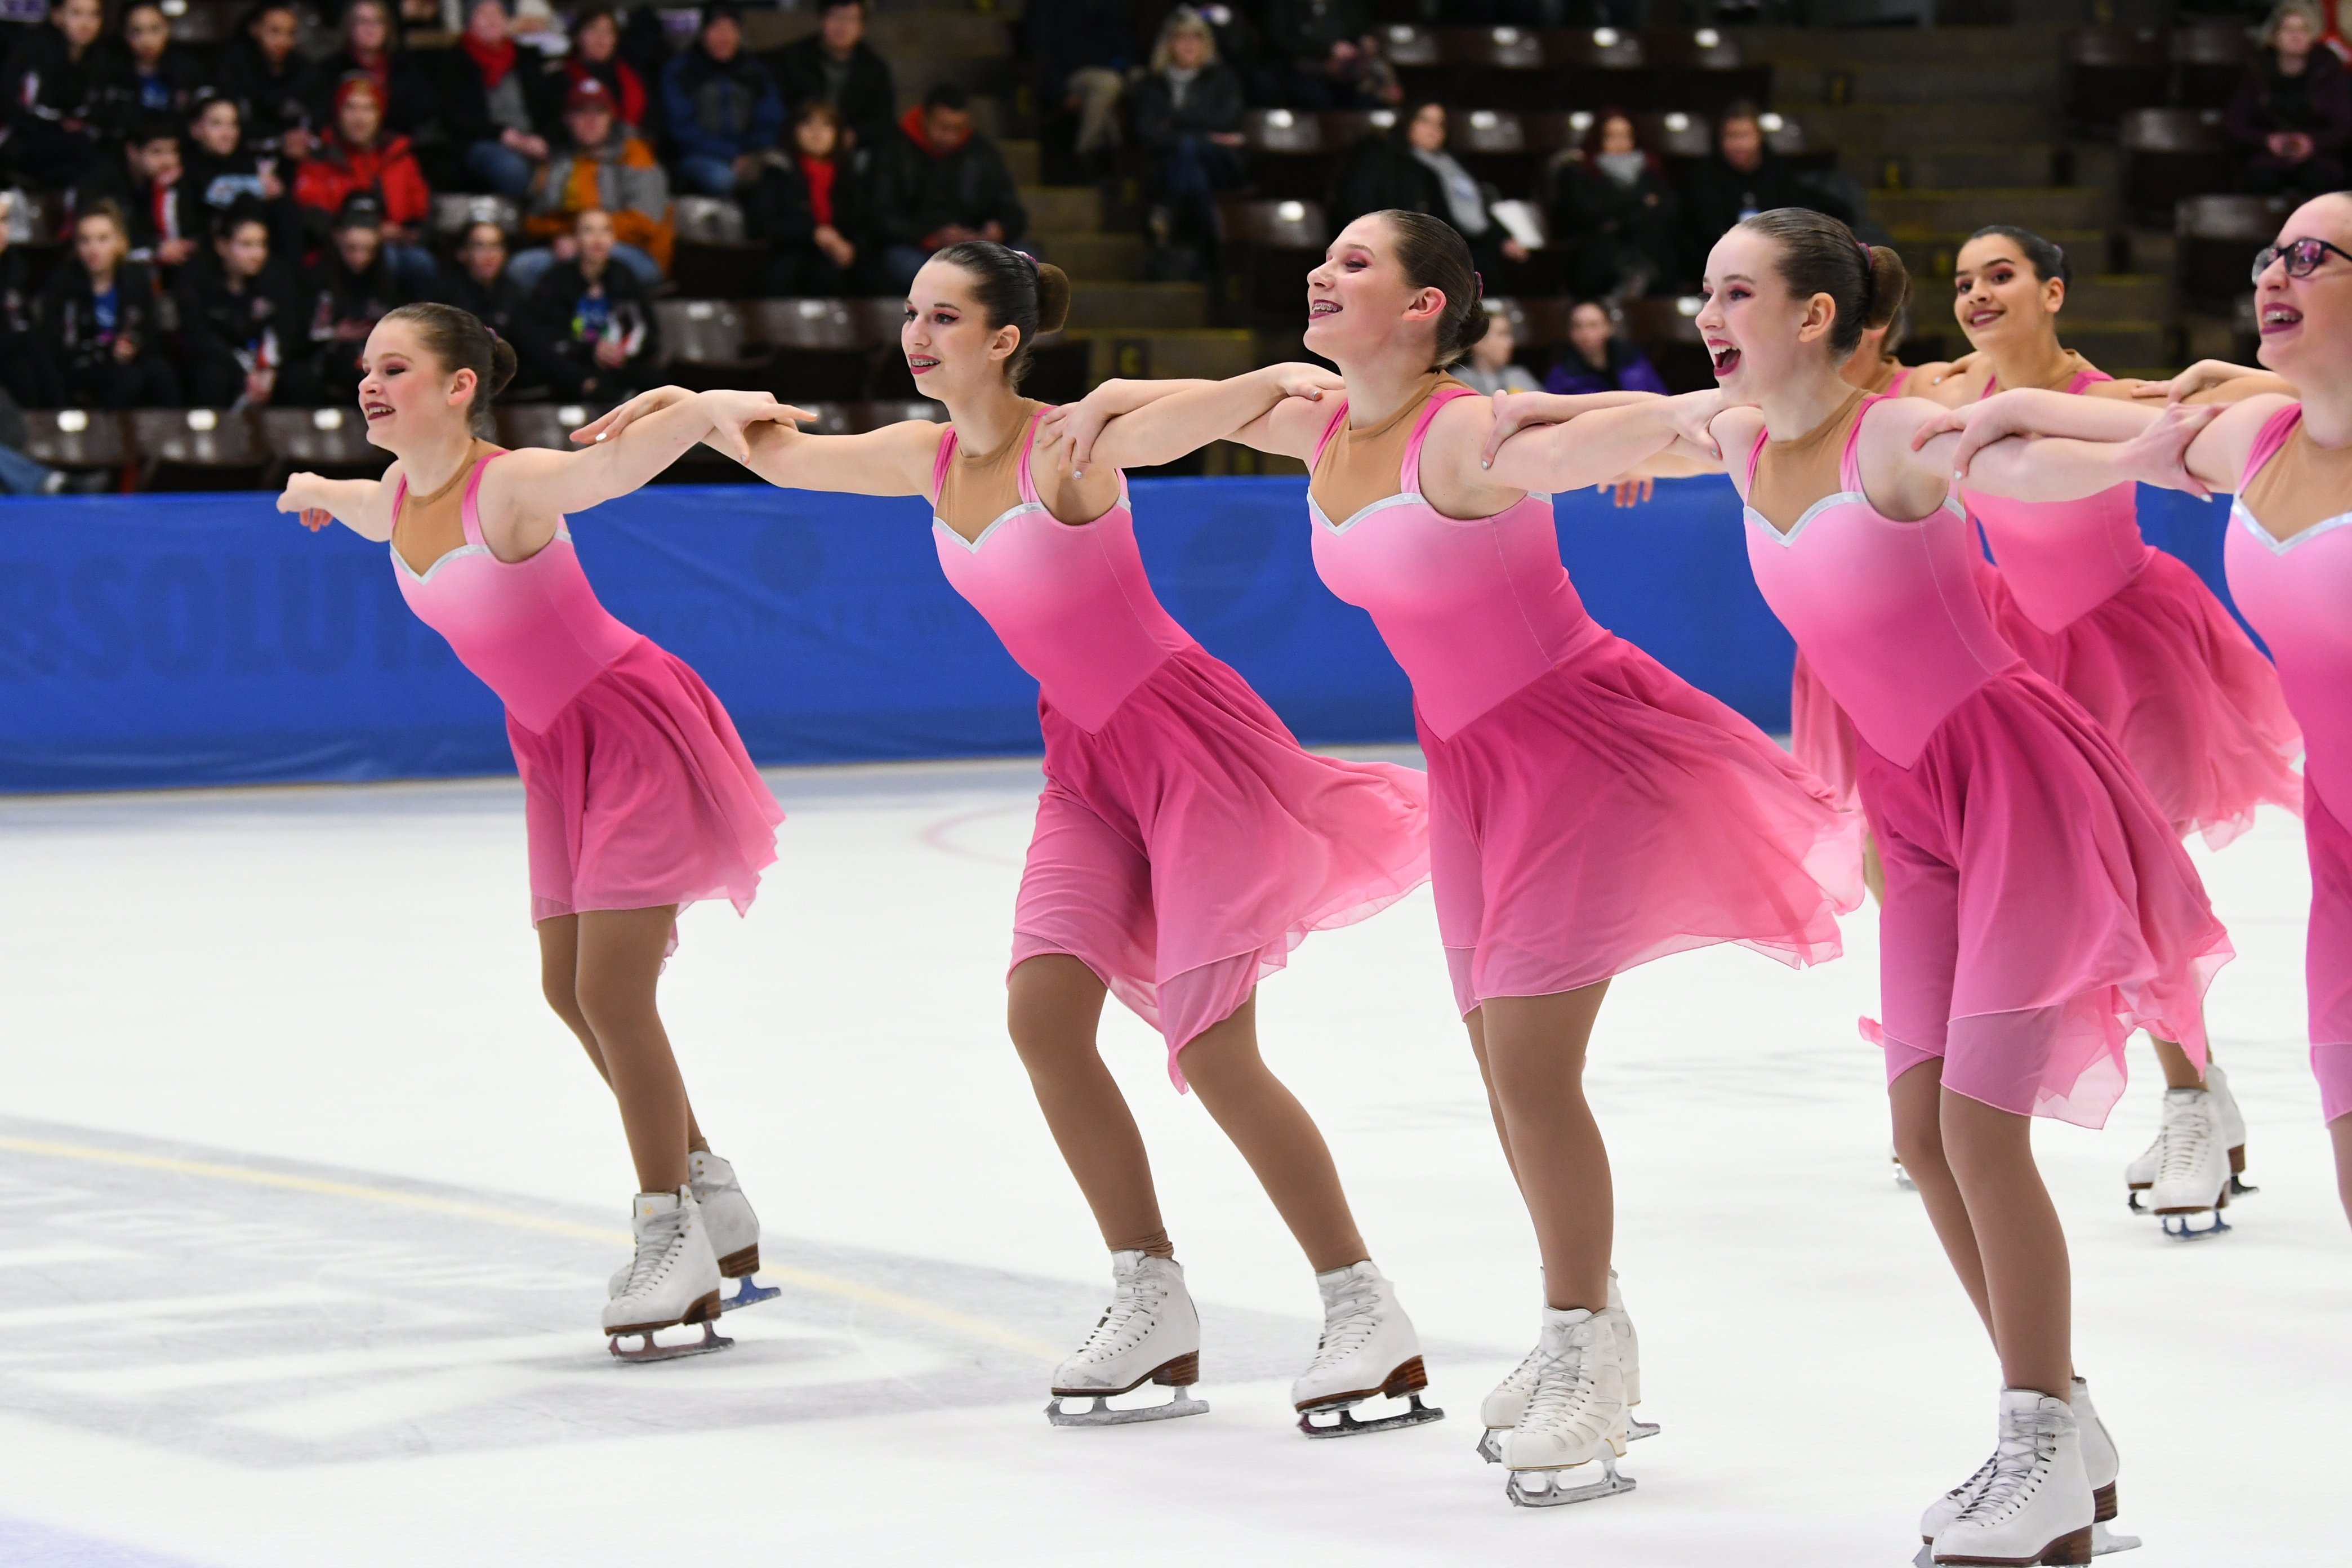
(1184, 842)
(639, 798)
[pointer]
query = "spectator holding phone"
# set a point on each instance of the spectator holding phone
(98, 321)
(592, 321)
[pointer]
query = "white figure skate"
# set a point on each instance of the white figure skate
(734, 1228)
(1149, 1334)
(2101, 1464)
(1503, 1407)
(2194, 1177)
(2036, 1506)
(673, 1280)
(1575, 1417)
(1368, 1349)
(2230, 1128)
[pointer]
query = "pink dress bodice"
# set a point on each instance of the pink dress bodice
(1070, 601)
(1886, 613)
(532, 629)
(1474, 608)
(2062, 558)
(2297, 592)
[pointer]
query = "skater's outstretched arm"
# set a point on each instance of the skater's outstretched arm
(1570, 443)
(895, 460)
(363, 506)
(538, 482)
(1121, 425)
(2041, 445)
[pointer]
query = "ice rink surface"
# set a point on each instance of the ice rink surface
(306, 1202)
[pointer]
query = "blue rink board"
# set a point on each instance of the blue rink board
(158, 641)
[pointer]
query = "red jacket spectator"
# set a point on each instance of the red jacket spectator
(356, 156)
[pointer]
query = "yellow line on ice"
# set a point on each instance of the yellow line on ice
(807, 1279)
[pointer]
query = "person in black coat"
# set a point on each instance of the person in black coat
(373, 46)
(1380, 173)
(2291, 119)
(351, 288)
(812, 203)
(145, 74)
(501, 102)
(592, 323)
(1614, 215)
(274, 85)
(242, 336)
(24, 370)
(218, 171)
(938, 182)
(1187, 111)
(97, 325)
(147, 182)
(835, 65)
(57, 97)
(1743, 177)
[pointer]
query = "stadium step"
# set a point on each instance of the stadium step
(1089, 256)
(1060, 208)
(1106, 306)
(1209, 353)
(1919, 213)
(1020, 157)
(1959, 167)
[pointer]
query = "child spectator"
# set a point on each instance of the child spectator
(1598, 359)
(1188, 120)
(161, 209)
(237, 312)
(591, 322)
(596, 57)
(55, 99)
(722, 107)
(351, 290)
(145, 73)
(835, 65)
(273, 84)
(24, 370)
(1489, 370)
(498, 102)
(357, 157)
(607, 168)
(813, 205)
(98, 321)
(1615, 215)
(939, 182)
(372, 44)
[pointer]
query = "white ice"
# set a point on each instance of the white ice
(343, 980)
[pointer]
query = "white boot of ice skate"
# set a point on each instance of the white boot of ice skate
(734, 1228)
(1501, 1408)
(2101, 1464)
(2194, 1178)
(1149, 1334)
(1368, 1349)
(2036, 1506)
(1576, 1415)
(673, 1280)
(2231, 1126)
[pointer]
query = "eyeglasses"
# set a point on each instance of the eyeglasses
(2303, 257)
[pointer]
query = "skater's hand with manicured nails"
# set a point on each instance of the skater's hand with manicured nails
(619, 419)
(732, 412)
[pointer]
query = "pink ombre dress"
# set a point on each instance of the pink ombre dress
(2135, 637)
(2297, 591)
(1590, 810)
(636, 791)
(1185, 842)
(2039, 907)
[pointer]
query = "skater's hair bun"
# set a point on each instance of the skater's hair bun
(2047, 259)
(1433, 254)
(1818, 255)
(460, 342)
(1013, 290)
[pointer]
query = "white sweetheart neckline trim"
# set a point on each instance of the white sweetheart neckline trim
(1404, 498)
(2272, 542)
(422, 578)
(1002, 518)
(1950, 504)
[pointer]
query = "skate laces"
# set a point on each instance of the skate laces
(1348, 1325)
(2187, 1141)
(1569, 1395)
(2029, 1446)
(656, 1245)
(1130, 1316)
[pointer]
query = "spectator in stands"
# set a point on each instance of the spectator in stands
(351, 290)
(1188, 120)
(835, 65)
(812, 206)
(145, 72)
(372, 44)
(2291, 117)
(722, 107)
(483, 284)
(98, 321)
(1334, 58)
(161, 209)
(1410, 168)
(939, 182)
(591, 320)
(1615, 215)
(596, 57)
(1598, 358)
(1743, 177)
(1078, 53)
(1489, 369)
(606, 168)
(358, 156)
(55, 99)
(238, 319)
(24, 370)
(498, 101)
(219, 171)
(274, 85)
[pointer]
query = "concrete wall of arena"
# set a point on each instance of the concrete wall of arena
(165, 640)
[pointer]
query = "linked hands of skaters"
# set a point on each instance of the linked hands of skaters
(2160, 454)
(613, 421)
(2203, 376)
(1978, 425)
(732, 413)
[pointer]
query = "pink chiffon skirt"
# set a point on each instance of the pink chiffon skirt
(2039, 907)
(1186, 847)
(2181, 689)
(640, 794)
(2328, 955)
(1607, 814)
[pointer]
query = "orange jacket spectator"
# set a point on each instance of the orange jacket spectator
(605, 168)
(356, 156)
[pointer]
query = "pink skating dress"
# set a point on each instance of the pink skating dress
(2039, 907)
(2297, 591)
(1590, 810)
(1185, 842)
(2139, 639)
(637, 791)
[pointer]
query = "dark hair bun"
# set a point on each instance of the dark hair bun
(1053, 298)
(1433, 254)
(1818, 255)
(503, 365)
(1890, 285)
(1012, 290)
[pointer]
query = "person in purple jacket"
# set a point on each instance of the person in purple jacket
(1598, 359)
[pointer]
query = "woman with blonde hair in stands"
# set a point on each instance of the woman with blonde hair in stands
(1184, 843)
